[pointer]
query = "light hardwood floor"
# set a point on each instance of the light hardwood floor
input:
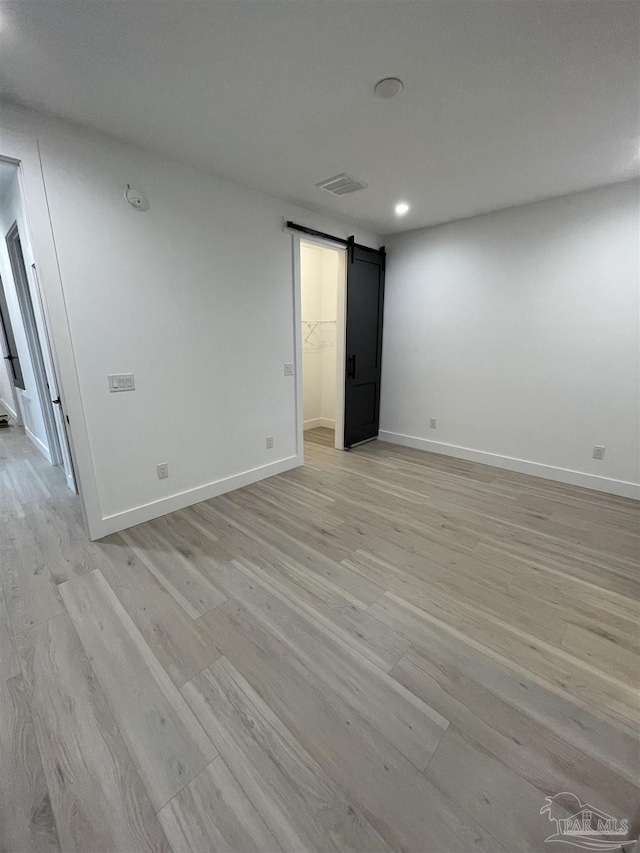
(320, 435)
(382, 650)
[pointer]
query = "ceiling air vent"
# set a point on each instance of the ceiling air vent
(342, 184)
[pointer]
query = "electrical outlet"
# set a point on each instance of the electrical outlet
(433, 423)
(163, 471)
(598, 451)
(269, 442)
(288, 368)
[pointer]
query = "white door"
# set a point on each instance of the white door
(54, 393)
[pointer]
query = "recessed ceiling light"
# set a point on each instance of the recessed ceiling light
(401, 208)
(389, 87)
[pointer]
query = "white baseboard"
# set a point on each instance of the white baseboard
(314, 423)
(41, 447)
(4, 406)
(521, 466)
(139, 514)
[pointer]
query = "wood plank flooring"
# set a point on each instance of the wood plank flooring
(381, 650)
(320, 435)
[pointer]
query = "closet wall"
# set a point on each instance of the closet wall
(319, 268)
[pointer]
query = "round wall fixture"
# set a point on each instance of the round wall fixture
(389, 87)
(136, 199)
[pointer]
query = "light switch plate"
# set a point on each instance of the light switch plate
(288, 368)
(121, 382)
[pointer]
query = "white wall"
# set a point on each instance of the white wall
(195, 297)
(28, 401)
(319, 293)
(518, 331)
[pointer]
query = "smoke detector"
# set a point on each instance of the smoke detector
(342, 184)
(389, 87)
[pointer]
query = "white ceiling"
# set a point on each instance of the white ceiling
(504, 101)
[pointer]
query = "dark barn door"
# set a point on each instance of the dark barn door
(365, 303)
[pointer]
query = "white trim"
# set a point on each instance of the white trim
(341, 350)
(10, 411)
(297, 344)
(71, 483)
(314, 423)
(521, 466)
(145, 512)
(39, 444)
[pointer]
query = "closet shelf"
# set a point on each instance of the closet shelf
(312, 325)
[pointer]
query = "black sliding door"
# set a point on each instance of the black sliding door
(365, 304)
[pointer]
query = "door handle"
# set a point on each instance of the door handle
(351, 367)
(57, 402)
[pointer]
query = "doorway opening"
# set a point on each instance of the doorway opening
(322, 279)
(28, 383)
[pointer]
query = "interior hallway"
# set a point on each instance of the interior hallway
(384, 649)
